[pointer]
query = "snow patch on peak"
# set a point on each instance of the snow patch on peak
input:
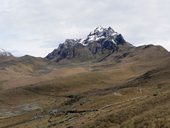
(2, 50)
(100, 33)
(69, 43)
(99, 29)
(4, 53)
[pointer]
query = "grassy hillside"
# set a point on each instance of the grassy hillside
(124, 90)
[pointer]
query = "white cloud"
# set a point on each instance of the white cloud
(36, 27)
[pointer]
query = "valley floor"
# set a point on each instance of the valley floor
(91, 96)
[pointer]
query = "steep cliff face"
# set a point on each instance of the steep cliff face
(71, 48)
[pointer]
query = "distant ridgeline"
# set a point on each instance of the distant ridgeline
(4, 53)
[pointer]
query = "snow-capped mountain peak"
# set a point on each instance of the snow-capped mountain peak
(98, 41)
(101, 33)
(4, 53)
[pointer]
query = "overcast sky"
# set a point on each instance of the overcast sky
(36, 27)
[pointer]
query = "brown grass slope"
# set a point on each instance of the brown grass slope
(128, 89)
(18, 71)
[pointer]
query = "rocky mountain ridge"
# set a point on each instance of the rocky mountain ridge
(99, 41)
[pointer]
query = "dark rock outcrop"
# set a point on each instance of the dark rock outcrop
(100, 41)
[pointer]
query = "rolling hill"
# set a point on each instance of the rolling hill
(101, 81)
